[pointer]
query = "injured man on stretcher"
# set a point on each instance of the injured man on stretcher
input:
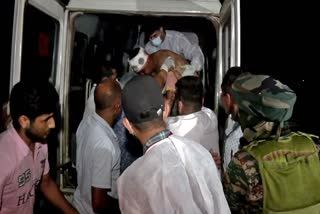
(165, 66)
(159, 64)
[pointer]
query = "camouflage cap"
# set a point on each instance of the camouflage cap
(264, 97)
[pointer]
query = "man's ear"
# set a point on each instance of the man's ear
(167, 109)
(180, 106)
(227, 102)
(128, 125)
(24, 121)
(234, 110)
(117, 105)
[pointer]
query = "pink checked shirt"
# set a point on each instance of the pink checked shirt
(20, 172)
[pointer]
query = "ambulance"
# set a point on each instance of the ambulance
(59, 41)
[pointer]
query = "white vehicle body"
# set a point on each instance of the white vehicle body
(225, 20)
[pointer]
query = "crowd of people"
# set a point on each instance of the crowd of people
(180, 166)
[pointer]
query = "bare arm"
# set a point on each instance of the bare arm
(160, 78)
(216, 158)
(102, 202)
(54, 195)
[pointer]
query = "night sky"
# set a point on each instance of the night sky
(279, 38)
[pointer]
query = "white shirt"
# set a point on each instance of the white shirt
(90, 105)
(98, 160)
(175, 175)
(232, 141)
(201, 127)
(178, 43)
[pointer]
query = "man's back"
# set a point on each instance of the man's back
(201, 126)
(174, 175)
(98, 160)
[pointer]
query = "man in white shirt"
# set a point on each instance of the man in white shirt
(195, 121)
(233, 131)
(160, 38)
(175, 174)
(98, 152)
(127, 146)
(105, 70)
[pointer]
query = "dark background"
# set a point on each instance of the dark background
(6, 35)
(279, 38)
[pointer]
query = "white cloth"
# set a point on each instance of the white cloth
(201, 127)
(175, 175)
(178, 43)
(98, 160)
(90, 105)
(87, 24)
(189, 70)
(232, 141)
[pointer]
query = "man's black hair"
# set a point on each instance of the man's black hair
(104, 69)
(152, 27)
(107, 99)
(190, 91)
(232, 74)
(32, 100)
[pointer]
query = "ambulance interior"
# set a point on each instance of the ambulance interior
(96, 37)
(109, 37)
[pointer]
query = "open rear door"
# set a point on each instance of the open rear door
(229, 35)
(228, 54)
(39, 30)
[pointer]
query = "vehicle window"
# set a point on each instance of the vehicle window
(40, 36)
(226, 45)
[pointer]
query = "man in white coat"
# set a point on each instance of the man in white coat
(194, 121)
(175, 175)
(162, 39)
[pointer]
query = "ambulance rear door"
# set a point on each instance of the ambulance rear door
(39, 35)
(228, 53)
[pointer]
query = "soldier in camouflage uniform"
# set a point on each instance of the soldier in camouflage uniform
(265, 104)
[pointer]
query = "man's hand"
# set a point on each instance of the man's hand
(170, 82)
(52, 192)
(168, 103)
(102, 202)
(216, 158)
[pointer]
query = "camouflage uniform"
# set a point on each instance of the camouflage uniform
(264, 105)
(243, 184)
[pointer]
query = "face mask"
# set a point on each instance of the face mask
(156, 41)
